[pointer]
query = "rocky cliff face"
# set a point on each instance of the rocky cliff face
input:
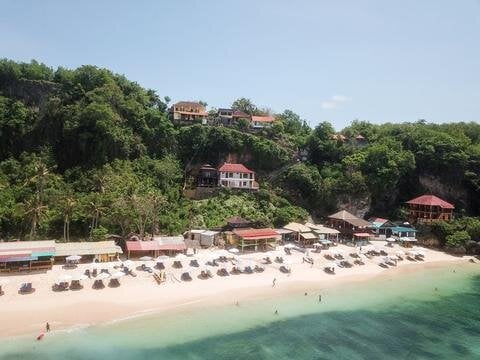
(357, 206)
(453, 192)
(34, 93)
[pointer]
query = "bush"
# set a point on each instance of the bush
(458, 238)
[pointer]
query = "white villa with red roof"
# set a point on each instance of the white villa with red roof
(236, 176)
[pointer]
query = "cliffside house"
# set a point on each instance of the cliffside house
(260, 122)
(429, 208)
(348, 224)
(207, 176)
(225, 117)
(237, 176)
(188, 112)
(256, 239)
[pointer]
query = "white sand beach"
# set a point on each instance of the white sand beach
(27, 314)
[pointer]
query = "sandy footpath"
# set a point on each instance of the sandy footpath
(27, 314)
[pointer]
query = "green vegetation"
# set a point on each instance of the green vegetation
(86, 152)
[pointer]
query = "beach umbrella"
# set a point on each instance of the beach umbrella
(146, 258)
(79, 277)
(390, 239)
(234, 251)
(73, 258)
(118, 275)
(64, 278)
(180, 256)
(289, 246)
(4, 281)
(128, 263)
(102, 276)
(400, 253)
(317, 244)
(331, 265)
(162, 258)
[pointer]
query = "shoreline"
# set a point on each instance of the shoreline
(26, 315)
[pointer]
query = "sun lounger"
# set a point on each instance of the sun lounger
(279, 259)
(87, 273)
(1, 291)
(284, 269)
(259, 269)
(177, 264)
(26, 288)
(329, 270)
(75, 285)
(186, 276)
(194, 263)
(98, 284)
(267, 260)
(359, 262)
(222, 272)
(247, 270)
(160, 266)
(383, 265)
(287, 251)
(308, 260)
(346, 264)
(94, 272)
(235, 271)
(113, 283)
(60, 287)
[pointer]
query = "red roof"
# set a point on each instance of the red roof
(362, 235)
(431, 200)
(254, 234)
(142, 245)
(263, 118)
(238, 168)
(240, 114)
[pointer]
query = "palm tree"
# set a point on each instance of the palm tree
(68, 204)
(36, 211)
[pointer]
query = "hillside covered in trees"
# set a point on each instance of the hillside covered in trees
(86, 152)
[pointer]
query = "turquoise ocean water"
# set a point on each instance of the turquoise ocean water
(427, 314)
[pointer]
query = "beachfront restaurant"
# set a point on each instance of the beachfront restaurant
(326, 236)
(99, 251)
(361, 238)
(300, 233)
(204, 238)
(256, 239)
(26, 255)
(159, 245)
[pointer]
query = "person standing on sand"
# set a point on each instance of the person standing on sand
(47, 327)
(320, 298)
(274, 282)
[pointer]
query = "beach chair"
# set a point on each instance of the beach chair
(359, 262)
(279, 259)
(160, 266)
(287, 251)
(267, 260)
(284, 269)
(87, 273)
(94, 272)
(1, 291)
(177, 264)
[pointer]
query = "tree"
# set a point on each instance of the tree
(245, 105)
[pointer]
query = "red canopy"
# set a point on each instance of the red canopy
(362, 234)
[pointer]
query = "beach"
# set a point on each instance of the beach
(141, 295)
